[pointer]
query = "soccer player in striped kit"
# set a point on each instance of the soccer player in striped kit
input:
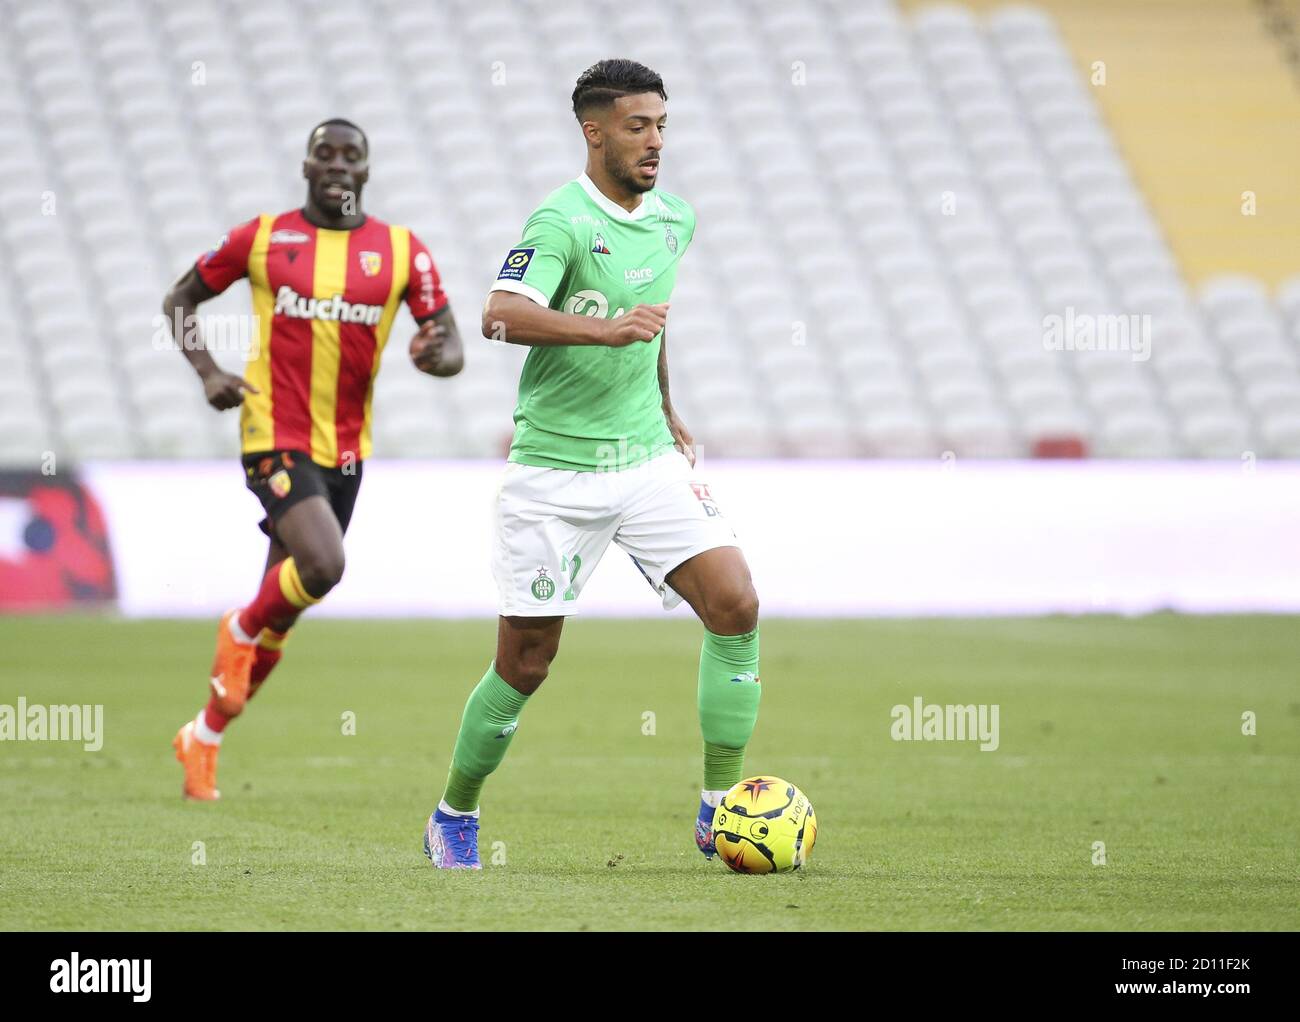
(327, 281)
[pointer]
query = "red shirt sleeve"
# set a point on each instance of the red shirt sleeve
(424, 293)
(226, 263)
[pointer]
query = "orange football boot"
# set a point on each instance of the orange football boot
(231, 668)
(200, 762)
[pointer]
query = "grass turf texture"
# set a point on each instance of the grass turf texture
(1121, 731)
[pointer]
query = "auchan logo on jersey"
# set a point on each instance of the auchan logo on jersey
(334, 309)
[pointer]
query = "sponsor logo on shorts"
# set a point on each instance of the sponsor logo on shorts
(516, 263)
(543, 586)
(280, 483)
(334, 309)
(702, 494)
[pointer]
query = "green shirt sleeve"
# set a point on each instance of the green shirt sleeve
(537, 265)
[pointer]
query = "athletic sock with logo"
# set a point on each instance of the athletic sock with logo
(729, 692)
(486, 729)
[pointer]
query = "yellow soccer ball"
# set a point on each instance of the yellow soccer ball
(764, 825)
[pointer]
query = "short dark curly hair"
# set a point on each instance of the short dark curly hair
(342, 122)
(607, 80)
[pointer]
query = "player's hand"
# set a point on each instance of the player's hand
(641, 323)
(427, 347)
(682, 438)
(226, 390)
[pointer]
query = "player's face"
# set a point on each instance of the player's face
(632, 135)
(337, 166)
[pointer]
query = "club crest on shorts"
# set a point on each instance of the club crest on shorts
(543, 586)
(280, 483)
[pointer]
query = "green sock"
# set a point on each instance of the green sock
(728, 698)
(486, 729)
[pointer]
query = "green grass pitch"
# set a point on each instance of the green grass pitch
(1127, 732)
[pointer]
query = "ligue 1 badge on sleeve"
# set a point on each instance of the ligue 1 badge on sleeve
(543, 586)
(670, 239)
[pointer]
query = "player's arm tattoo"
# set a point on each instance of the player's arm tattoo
(682, 437)
(663, 373)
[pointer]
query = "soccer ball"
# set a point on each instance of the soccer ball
(764, 825)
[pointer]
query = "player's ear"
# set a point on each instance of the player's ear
(591, 131)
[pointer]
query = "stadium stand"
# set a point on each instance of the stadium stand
(892, 207)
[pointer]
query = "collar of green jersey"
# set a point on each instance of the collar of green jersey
(611, 207)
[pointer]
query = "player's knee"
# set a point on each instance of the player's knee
(321, 571)
(734, 611)
(528, 668)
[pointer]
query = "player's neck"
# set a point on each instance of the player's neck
(605, 185)
(317, 217)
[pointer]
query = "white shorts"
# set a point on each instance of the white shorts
(553, 525)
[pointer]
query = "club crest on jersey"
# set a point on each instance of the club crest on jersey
(516, 263)
(598, 246)
(670, 239)
(371, 263)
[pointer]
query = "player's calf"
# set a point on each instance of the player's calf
(526, 648)
(269, 650)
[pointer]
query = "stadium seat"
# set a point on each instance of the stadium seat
(940, 184)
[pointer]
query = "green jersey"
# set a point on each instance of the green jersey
(591, 407)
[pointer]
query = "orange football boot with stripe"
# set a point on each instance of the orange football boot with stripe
(200, 762)
(232, 668)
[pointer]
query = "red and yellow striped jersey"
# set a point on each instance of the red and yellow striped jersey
(325, 301)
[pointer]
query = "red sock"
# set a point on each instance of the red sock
(282, 596)
(213, 717)
(263, 664)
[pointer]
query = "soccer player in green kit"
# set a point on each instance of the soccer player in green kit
(599, 454)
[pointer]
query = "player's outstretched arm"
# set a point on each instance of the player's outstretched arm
(436, 348)
(222, 389)
(520, 320)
